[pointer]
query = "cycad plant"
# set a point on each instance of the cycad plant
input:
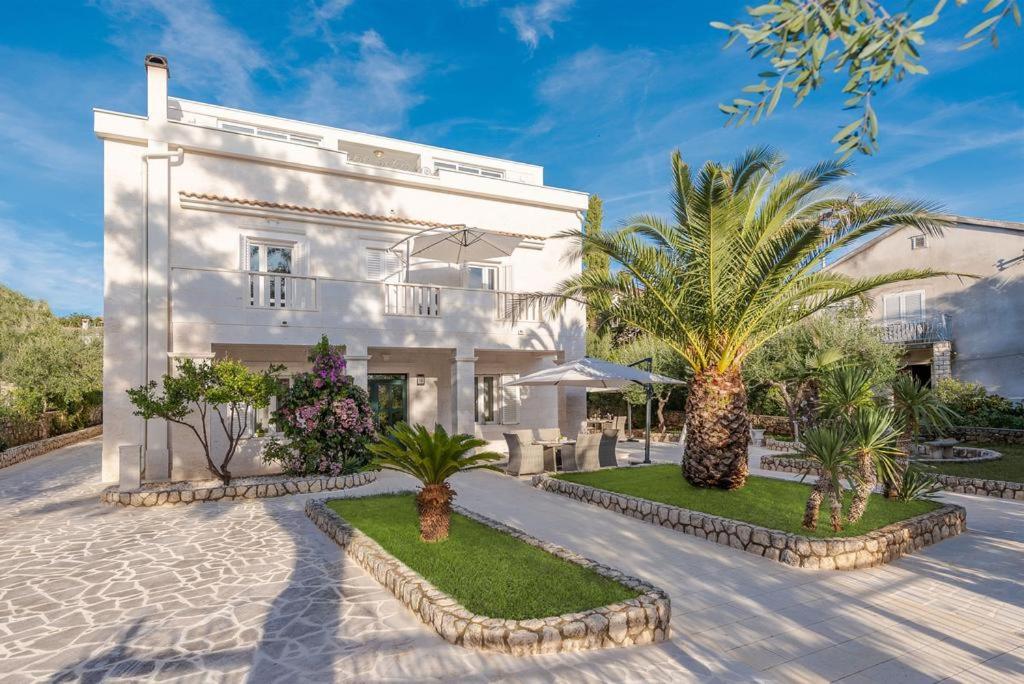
(845, 390)
(431, 457)
(739, 262)
(919, 407)
(873, 435)
(827, 450)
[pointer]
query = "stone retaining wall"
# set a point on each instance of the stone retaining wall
(24, 452)
(984, 434)
(999, 489)
(841, 553)
(642, 620)
(778, 425)
(169, 493)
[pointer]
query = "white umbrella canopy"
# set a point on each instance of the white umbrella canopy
(589, 372)
(463, 245)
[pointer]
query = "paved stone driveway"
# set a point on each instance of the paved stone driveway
(253, 592)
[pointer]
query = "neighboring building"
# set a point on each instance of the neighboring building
(235, 234)
(970, 328)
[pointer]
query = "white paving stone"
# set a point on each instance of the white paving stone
(254, 592)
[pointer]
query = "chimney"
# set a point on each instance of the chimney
(157, 74)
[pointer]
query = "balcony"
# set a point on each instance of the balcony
(918, 330)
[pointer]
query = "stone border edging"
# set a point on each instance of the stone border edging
(962, 455)
(642, 620)
(837, 553)
(781, 444)
(1000, 489)
(23, 452)
(282, 486)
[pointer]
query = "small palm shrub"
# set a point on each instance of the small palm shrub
(828, 450)
(431, 457)
(873, 434)
(916, 484)
(919, 407)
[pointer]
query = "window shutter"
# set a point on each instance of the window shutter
(913, 305)
(505, 278)
(509, 400)
(374, 264)
(891, 306)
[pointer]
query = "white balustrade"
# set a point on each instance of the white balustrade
(516, 306)
(406, 299)
(281, 291)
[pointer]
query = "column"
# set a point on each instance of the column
(157, 269)
(357, 363)
(463, 391)
(942, 361)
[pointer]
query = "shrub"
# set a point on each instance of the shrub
(978, 407)
(326, 419)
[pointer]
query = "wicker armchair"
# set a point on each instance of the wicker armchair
(523, 459)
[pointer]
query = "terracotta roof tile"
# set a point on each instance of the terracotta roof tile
(335, 212)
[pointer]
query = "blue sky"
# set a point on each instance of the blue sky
(597, 92)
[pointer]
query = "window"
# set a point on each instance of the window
(470, 169)
(497, 400)
(918, 242)
(284, 136)
(905, 305)
(264, 258)
(482, 277)
(381, 264)
(486, 398)
(263, 415)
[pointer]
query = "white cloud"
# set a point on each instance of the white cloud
(205, 50)
(597, 78)
(371, 89)
(52, 265)
(536, 21)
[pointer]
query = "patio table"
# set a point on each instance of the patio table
(556, 446)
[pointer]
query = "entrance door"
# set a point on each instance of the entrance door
(389, 398)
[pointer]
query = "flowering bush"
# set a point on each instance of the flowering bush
(326, 419)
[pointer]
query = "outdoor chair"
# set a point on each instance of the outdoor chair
(606, 450)
(524, 458)
(585, 454)
(620, 424)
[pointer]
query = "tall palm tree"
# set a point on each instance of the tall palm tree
(738, 263)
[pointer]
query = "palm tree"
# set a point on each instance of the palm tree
(873, 434)
(919, 407)
(431, 458)
(738, 263)
(827, 449)
(846, 389)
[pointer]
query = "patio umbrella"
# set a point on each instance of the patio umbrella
(462, 245)
(594, 373)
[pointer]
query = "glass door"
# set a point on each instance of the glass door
(389, 398)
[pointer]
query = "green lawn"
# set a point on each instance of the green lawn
(777, 504)
(1010, 467)
(488, 571)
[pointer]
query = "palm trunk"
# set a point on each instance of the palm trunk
(434, 503)
(863, 488)
(835, 504)
(811, 510)
(717, 430)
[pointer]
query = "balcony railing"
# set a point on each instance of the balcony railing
(281, 291)
(405, 299)
(917, 330)
(515, 306)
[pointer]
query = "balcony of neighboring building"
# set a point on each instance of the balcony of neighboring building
(924, 329)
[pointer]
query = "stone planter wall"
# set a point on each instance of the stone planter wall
(999, 489)
(846, 553)
(243, 488)
(960, 455)
(642, 620)
(23, 452)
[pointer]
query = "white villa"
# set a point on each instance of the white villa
(243, 235)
